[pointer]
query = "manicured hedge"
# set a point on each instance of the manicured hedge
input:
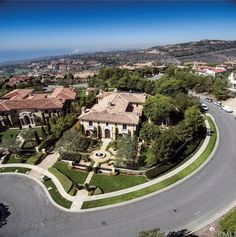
(64, 180)
(157, 170)
(35, 160)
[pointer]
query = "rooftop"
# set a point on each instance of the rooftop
(116, 107)
(26, 99)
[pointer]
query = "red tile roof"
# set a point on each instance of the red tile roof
(23, 99)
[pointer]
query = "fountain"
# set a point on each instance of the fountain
(100, 154)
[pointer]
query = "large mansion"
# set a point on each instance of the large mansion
(23, 107)
(117, 114)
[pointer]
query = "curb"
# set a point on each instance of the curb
(124, 202)
(41, 185)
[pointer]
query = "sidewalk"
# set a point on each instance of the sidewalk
(39, 171)
(48, 162)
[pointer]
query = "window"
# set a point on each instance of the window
(106, 124)
(124, 126)
(90, 123)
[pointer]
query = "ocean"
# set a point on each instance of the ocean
(18, 55)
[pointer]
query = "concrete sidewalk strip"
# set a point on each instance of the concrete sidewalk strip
(37, 172)
(89, 177)
(49, 161)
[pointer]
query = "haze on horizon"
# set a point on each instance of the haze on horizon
(63, 27)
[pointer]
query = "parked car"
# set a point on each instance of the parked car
(217, 103)
(204, 108)
(208, 99)
(227, 109)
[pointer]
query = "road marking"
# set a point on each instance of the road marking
(197, 213)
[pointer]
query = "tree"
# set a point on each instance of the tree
(220, 89)
(99, 132)
(95, 132)
(149, 132)
(193, 119)
(36, 137)
(12, 145)
(152, 233)
(159, 108)
(44, 134)
(170, 86)
(28, 135)
(165, 145)
(116, 133)
(127, 151)
(82, 130)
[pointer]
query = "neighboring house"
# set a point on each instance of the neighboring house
(232, 81)
(209, 71)
(115, 112)
(14, 81)
(22, 107)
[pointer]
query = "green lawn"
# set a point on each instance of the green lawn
(76, 176)
(14, 132)
(64, 180)
(228, 222)
(9, 133)
(155, 187)
(20, 159)
(13, 169)
(56, 196)
(113, 183)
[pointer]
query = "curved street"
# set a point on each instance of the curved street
(188, 205)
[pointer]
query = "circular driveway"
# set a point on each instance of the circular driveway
(188, 205)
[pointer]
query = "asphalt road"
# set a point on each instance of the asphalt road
(186, 206)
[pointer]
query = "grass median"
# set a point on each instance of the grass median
(158, 186)
(14, 170)
(56, 196)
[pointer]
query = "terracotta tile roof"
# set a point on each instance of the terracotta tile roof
(30, 104)
(17, 94)
(116, 107)
(63, 93)
(106, 117)
(24, 99)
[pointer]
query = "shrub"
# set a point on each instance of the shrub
(157, 170)
(35, 160)
(47, 143)
(64, 180)
(98, 191)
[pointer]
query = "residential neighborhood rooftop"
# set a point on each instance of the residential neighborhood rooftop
(26, 99)
(116, 107)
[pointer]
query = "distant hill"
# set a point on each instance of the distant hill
(211, 51)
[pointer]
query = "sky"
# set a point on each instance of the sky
(104, 25)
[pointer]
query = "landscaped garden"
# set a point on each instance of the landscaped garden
(70, 178)
(155, 187)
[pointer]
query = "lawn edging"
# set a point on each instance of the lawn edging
(152, 187)
(46, 191)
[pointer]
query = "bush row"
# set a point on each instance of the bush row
(36, 159)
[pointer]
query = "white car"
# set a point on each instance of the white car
(227, 109)
(204, 107)
(217, 103)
